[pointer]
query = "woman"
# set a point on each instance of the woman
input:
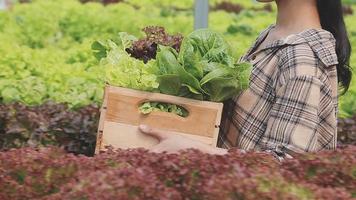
(291, 104)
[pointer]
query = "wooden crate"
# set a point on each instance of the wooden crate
(120, 118)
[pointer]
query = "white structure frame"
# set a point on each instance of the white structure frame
(201, 14)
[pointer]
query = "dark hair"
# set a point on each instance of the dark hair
(332, 20)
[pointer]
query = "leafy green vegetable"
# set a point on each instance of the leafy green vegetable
(170, 84)
(120, 68)
(204, 68)
(102, 47)
(204, 44)
(149, 107)
(168, 65)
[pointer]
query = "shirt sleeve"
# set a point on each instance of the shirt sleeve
(293, 121)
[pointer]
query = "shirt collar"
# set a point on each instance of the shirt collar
(322, 43)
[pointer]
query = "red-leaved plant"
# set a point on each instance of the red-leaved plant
(51, 173)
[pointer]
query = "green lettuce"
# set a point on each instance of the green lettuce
(173, 78)
(149, 107)
(204, 68)
(120, 68)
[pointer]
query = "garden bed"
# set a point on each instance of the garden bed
(50, 173)
(75, 130)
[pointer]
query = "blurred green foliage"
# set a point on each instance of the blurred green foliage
(45, 45)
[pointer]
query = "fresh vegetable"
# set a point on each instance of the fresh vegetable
(203, 69)
(146, 48)
(120, 68)
(149, 107)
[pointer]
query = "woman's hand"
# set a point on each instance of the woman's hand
(172, 143)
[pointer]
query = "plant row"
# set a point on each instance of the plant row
(50, 173)
(75, 130)
(49, 124)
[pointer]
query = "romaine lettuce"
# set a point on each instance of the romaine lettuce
(204, 68)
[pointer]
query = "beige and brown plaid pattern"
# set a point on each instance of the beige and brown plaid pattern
(291, 103)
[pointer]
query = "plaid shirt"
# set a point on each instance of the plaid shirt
(291, 103)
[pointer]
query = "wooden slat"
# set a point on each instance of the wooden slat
(102, 119)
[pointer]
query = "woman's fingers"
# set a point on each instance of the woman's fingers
(159, 134)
